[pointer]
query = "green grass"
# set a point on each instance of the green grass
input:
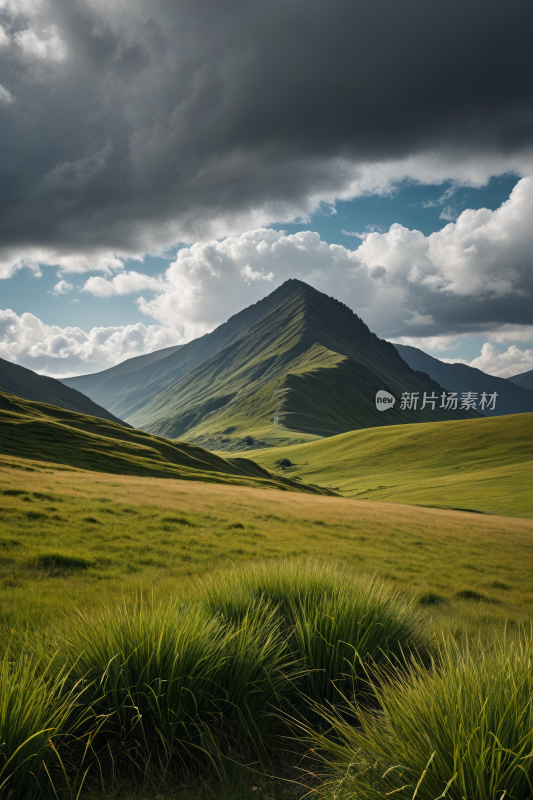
(253, 670)
(461, 730)
(340, 624)
(483, 465)
(74, 537)
(36, 706)
(174, 686)
(182, 687)
(48, 433)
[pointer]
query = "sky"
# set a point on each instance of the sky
(165, 164)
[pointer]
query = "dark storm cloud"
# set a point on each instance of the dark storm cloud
(138, 124)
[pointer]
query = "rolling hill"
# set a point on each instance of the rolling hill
(483, 465)
(524, 379)
(35, 431)
(513, 398)
(297, 353)
(26, 384)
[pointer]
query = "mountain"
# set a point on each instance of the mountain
(525, 380)
(25, 383)
(512, 399)
(298, 352)
(53, 435)
(129, 386)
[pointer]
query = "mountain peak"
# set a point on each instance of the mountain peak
(297, 353)
(296, 294)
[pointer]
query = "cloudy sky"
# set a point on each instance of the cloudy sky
(165, 163)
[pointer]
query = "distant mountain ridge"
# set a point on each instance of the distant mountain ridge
(26, 384)
(512, 398)
(524, 379)
(298, 352)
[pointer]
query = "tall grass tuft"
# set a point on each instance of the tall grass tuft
(172, 687)
(461, 730)
(340, 624)
(35, 707)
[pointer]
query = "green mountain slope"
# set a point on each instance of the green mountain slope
(25, 383)
(478, 464)
(49, 434)
(130, 386)
(310, 358)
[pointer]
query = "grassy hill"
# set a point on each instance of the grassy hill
(310, 358)
(479, 464)
(25, 383)
(49, 434)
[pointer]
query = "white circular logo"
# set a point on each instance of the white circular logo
(384, 400)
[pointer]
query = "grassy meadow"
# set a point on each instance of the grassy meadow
(481, 465)
(84, 538)
(177, 624)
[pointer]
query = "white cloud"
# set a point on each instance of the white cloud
(512, 333)
(63, 287)
(6, 98)
(249, 275)
(396, 280)
(483, 253)
(354, 233)
(73, 262)
(124, 283)
(484, 256)
(208, 282)
(448, 213)
(512, 362)
(60, 351)
(42, 44)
